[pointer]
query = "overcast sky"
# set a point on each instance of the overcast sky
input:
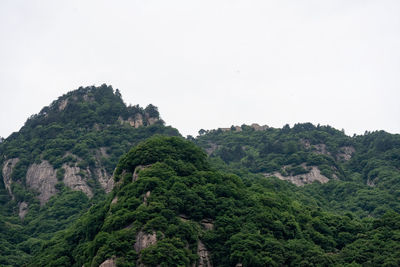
(208, 64)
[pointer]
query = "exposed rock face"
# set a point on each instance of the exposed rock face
(152, 121)
(73, 180)
(346, 153)
(42, 178)
(7, 170)
(302, 179)
(204, 255)
(207, 224)
(103, 152)
(105, 180)
(144, 240)
(257, 127)
(23, 210)
(138, 120)
(146, 196)
(232, 128)
(305, 143)
(135, 175)
(109, 263)
(132, 122)
(320, 149)
(63, 104)
(238, 128)
(212, 147)
(88, 98)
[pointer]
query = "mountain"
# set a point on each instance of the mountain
(171, 208)
(63, 158)
(360, 174)
(90, 181)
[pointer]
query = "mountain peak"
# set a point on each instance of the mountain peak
(75, 141)
(87, 106)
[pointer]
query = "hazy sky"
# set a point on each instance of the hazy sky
(208, 64)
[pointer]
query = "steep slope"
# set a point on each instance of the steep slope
(170, 208)
(77, 140)
(360, 174)
(63, 159)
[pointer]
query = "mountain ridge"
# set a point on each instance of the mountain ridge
(90, 181)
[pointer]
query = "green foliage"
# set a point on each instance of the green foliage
(368, 175)
(86, 128)
(256, 221)
(167, 190)
(167, 252)
(163, 149)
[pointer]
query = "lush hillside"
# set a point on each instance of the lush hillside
(62, 160)
(360, 174)
(171, 208)
(90, 181)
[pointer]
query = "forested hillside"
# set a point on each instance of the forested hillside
(360, 174)
(62, 161)
(171, 208)
(90, 181)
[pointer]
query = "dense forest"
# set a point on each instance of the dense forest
(363, 171)
(90, 181)
(83, 132)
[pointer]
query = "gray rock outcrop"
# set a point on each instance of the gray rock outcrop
(135, 174)
(258, 127)
(211, 148)
(152, 121)
(109, 263)
(208, 224)
(74, 180)
(63, 104)
(320, 149)
(204, 255)
(7, 170)
(115, 200)
(42, 178)
(144, 240)
(106, 181)
(146, 196)
(138, 120)
(23, 210)
(302, 179)
(346, 152)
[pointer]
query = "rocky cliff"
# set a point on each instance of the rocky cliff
(42, 178)
(313, 175)
(8, 167)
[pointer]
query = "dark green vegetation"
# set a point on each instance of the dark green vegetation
(172, 205)
(364, 171)
(87, 129)
(167, 188)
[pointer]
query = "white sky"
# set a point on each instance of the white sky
(209, 63)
